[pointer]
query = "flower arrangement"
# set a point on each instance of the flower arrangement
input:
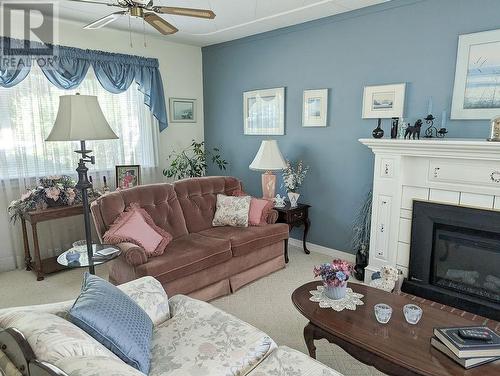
(334, 274)
(293, 176)
(51, 191)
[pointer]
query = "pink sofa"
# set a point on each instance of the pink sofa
(202, 261)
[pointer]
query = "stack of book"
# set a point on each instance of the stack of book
(468, 346)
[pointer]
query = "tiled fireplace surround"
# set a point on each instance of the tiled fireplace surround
(451, 171)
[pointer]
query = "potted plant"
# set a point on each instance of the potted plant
(293, 177)
(335, 276)
(361, 236)
(192, 161)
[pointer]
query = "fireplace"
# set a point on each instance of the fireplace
(455, 257)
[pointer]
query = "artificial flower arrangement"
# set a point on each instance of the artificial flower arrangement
(51, 191)
(293, 176)
(334, 274)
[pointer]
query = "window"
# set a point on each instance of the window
(27, 114)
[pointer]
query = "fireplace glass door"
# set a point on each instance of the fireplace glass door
(466, 261)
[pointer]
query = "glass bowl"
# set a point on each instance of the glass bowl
(383, 312)
(413, 313)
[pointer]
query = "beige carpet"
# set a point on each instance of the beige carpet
(265, 304)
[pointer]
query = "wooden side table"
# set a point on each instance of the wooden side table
(295, 217)
(50, 264)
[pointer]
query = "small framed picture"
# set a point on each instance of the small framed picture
(264, 112)
(128, 176)
(182, 110)
(384, 101)
(315, 108)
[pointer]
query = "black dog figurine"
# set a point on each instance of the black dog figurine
(414, 130)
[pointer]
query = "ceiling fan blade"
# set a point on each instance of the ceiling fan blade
(160, 24)
(190, 12)
(96, 2)
(101, 22)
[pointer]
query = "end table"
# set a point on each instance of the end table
(295, 217)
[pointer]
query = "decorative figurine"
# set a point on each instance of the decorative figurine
(414, 130)
(394, 127)
(431, 130)
(279, 201)
(402, 129)
(378, 132)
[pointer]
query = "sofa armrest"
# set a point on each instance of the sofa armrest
(133, 254)
(272, 216)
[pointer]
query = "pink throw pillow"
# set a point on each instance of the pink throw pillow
(259, 209)
(136, 226)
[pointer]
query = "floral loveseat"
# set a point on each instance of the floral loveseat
(190, 338)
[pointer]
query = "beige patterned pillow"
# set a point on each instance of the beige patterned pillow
(232, 211)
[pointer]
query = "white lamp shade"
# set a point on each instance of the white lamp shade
(80, 118)
(268, 157)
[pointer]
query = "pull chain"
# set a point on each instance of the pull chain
(130, 32)
(144, 32)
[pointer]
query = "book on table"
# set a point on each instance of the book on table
(464, 362)
(469, 348)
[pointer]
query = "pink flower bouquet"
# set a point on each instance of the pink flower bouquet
(334, 274)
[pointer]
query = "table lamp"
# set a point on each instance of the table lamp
(268, 159)
(80, 118)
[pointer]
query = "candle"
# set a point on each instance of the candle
(443, 119)
(429, 106)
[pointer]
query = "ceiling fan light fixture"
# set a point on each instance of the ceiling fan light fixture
(137, 12)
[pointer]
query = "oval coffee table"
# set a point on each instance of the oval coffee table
(397, 348)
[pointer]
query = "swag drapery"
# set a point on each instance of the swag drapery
(68, 66)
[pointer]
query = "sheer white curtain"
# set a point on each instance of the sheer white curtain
(27, 114)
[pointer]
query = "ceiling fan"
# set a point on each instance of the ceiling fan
(146, 10)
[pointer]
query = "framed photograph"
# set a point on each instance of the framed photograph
(128, 176)
(264, 112)
(315, 108)
(384, 101)
(476, 93)
(182, 110)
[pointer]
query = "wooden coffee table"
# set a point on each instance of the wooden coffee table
(397, 348)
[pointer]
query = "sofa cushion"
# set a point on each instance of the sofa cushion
(51, 337)
(186, 255)
(96, 366)
(136, 226)
(159, 200)
(246, 240)
(198, 197)
(285, 361)
(200, 339)
(232, 211)
(115, 320)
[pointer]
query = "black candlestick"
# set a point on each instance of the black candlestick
(84, 184)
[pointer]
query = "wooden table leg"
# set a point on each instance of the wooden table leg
(286, 251)
(38, 260)
(309, 331)
(307, 224)
(27, 254)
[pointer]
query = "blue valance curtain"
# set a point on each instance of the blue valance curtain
(68, 66)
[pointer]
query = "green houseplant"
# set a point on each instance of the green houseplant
(193, 161)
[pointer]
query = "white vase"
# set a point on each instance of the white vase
(336, 292)
(294, 198)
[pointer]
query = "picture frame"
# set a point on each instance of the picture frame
(476, 92)
(127, 176)
(384, 101)
(315, 108)
(264, 112)
(182, 110)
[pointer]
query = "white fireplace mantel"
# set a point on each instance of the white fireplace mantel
(453, 171)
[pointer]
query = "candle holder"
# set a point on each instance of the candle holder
(432, 131)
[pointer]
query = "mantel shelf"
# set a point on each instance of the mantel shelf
(448, 148)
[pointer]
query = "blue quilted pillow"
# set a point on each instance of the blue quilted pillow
(115, 320)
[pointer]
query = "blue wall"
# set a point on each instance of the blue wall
(411, 41)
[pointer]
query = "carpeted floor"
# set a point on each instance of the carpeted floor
(265, 304)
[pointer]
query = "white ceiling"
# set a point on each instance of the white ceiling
(235, 18)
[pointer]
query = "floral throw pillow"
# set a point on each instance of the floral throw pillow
(232, 211)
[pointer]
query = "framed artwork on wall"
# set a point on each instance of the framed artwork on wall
(384, 101)
(264, 112)
(127, 176)
(182, 110)
(476, 93)
(315, 108)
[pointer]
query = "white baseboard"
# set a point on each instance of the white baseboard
(7, 263)
(333, 253)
